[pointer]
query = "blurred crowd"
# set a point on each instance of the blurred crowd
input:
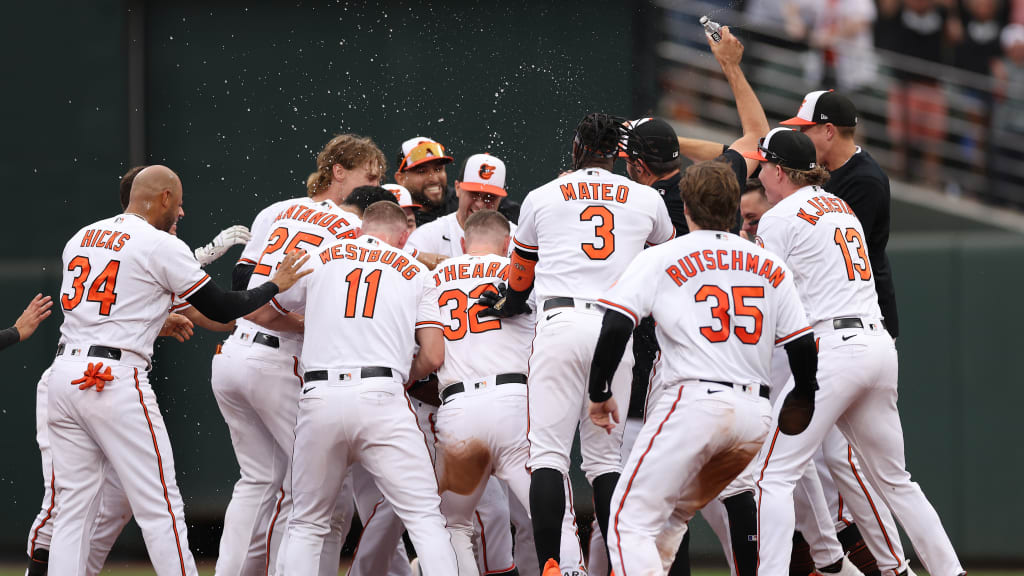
(951, 73)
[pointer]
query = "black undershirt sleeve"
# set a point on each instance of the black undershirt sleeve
(221, 306)
(9, 337)
(616, 328)
(803, 362)
(240, 276)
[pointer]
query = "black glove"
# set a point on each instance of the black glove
(503, 303)
(797, 410)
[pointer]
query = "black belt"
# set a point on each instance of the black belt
(562, 302)
(841, 323)
(763, 392)
(268, 340)
(365, 372)
(97, 352)
(500, 379)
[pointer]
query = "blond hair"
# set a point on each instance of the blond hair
(349, 150)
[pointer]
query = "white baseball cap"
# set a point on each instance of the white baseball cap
(420, 149)
(402, 195)
(483, 173)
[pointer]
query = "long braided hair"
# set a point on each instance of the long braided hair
(599, 135)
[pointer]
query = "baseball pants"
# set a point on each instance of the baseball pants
(369, 501)
(696, 441)
(492, 536)
(479, 433)
(857, 376)
(96, 435)
(370, 421)
(113, 512)
(847, 492)
(559, 372)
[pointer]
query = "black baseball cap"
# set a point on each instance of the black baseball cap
(824, 107)
(652, 140)
(787, 148)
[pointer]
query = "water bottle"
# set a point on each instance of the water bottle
(711, 28)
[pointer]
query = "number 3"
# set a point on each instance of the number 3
(603, 231)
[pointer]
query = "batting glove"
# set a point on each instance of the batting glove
(222, 243)
(503, 304)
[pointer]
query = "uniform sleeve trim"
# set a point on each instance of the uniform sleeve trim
(789, 337)
(636, 319)
(431, 323)
(196, 286)
(525, 246)
(245, 261)
(277, 306)
(181, 306)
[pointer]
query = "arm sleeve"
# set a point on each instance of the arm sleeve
(9, 337)
(803, 362)
(428, 315)
(663, 230)
(221, 306)
(633, 294)
(772, 236)
(174, 266)
(738, 163)
(616, 328)
(419, 240)
(790, 316)
(241, 274)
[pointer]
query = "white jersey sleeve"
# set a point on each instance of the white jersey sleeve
(791, 319)
(427, 314)
(772, 234)
(634, 293)
(177, 269)
(423, 239)
(259, 231)
(525, 237)
(663, 230)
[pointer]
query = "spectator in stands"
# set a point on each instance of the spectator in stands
(917, 103)
(840, 39)
(1008, 119)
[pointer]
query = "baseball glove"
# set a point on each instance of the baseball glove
(797, 410)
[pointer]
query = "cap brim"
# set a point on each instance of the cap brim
(411, 205)
(755, 155)
(444, 159)
(797, 121)
(486, 188)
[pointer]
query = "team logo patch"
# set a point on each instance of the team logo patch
(486, 171)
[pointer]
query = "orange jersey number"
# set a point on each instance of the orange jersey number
(467, 317)
(100, 291)
(370, 301)
(603, 230)
(861, 268)
(741, 307)
(277, 239)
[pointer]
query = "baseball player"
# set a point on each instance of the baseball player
(420, 168)
(353, 406)
(753, 204)
(404, 199)
(256, 374)
(823, 243)
(481, 425)
(119, 275)
(114, 511)
(480, 186)
(730, 303)
(579, 232)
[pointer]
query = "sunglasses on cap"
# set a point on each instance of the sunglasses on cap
(770, 156)
(422, 152)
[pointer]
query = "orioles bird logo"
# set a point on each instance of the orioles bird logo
(486, 171)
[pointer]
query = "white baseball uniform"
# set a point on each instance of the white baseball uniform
(822, 241)
(442, 236)
(112, 513)
(119, 276)
(721, 306)
(256, 381)
(353, 406)
(585, 227)
(483, 385)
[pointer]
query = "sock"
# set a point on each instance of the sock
(604, 486)
(547, 506)
(800, 561)
(857, 551)
(742, 514)
(38, 563)
(681, 565)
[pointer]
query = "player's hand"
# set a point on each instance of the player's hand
(36, 311)
(728, 52)
(288, 273)
(178, 327)
(605, 414)
(797, 410)
(499, 305)
(221, 243)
